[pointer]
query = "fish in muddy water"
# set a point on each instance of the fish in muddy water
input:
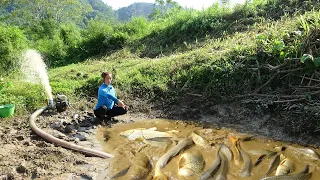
(303, 175)
(199, 140)
(285, 167)
(313, 155)
(246, 169)
(273, 164)
(141, 134)
(226, 151)
(210, 172)
(237, 155)
(191, 163)
(163, 160)
(224, 167)
(139, 169)
(263, 156)
(158, 142)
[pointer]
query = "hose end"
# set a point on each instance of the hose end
(51, 104)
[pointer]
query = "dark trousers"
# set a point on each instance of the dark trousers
(102, 111)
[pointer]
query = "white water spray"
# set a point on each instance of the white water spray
(35, 71)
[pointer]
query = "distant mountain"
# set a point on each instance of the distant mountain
(139, 9)
(135, 9)
(100, 10)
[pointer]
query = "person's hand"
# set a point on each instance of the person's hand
(120, 104)
(126, 107)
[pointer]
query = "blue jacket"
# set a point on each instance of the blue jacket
(106, 96)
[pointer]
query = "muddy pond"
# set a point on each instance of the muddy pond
(138, 146)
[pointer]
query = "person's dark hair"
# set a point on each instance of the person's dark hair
(104, 74)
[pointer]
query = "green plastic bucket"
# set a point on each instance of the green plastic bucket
(7, 110)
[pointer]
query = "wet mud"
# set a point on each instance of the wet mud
(126, 151)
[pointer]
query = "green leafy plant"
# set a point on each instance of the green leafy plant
(4, 99)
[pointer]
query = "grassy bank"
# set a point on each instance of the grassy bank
(219, 67)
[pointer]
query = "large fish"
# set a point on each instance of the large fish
(262, 156)
(141, 134)
(199, 140)
(210, 172)
(163, 160)
(237, 155)
(273, 164)
(223, 169)
(159, 142)
(303, 175)
(191, 163)
(306, 152)
(246, 169)
(140, 167)
(285, 167)
(227, 152)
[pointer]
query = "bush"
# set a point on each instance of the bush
(12, 43)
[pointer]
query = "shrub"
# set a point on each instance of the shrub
(12, 43)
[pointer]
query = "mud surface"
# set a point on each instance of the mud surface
(24, 155)
(126, 151)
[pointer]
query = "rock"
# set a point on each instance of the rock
(82, 129)
(75, 116)
(21, 168)
(85, 123)
(57, 126)
(20, 138)
(7, 177)
(70, 128)
(81, 137)
(27, 142)
(86, 177)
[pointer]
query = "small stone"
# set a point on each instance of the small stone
(20, 138)
(56, 126)
(80, 137)
(69, 128)
(75, 116)
(21, 168)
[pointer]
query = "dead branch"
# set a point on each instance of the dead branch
(265, 84)
(192, 94)
(259, 77)
(316, 80)
(302, 78)
(305, 87)
(274, 75)
(280, 96)
(291, 100)
(310, 79)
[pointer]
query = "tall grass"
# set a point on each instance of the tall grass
(201, 52)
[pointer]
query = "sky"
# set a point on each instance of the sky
(196, 4)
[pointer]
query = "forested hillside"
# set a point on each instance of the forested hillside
(147, 10)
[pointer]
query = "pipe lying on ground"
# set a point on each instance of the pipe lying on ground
(65, 144)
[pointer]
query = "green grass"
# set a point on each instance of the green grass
(213, 67)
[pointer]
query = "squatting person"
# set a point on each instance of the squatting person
(108, 104)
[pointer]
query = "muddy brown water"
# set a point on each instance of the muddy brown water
(128, 153)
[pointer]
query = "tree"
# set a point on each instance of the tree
(161, 7)
(25, 12)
